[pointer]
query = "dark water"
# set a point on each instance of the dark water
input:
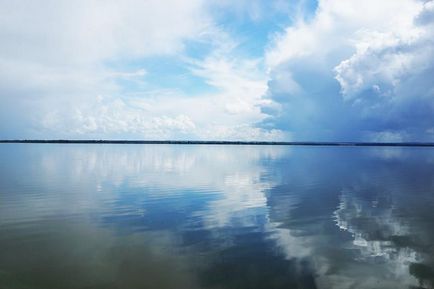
(175, 217)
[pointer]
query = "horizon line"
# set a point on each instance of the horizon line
(216, 142)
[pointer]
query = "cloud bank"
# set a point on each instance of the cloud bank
(261, 70)
(356, 71)
(91, 69)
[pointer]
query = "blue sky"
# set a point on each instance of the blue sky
(223, 70)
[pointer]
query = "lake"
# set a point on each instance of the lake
(79, 216)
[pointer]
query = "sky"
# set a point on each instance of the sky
(271, 70)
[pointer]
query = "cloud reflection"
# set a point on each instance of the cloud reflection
(222, 216)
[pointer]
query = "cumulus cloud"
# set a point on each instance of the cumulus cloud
(159, 115)
(356, 71)
(226, 113)
(350, 71)
(54, 54)
(78, 70)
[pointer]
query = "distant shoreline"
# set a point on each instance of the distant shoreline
(194, 142)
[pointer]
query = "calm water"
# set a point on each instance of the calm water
(175, 217)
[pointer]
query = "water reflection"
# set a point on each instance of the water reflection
(162, 216)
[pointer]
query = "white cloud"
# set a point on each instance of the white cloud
(375, 62)
(86, 31)
(55, 60)
(67, 65)
(383, 59)
(239, 81)
(334, 26)
(57, 57)
(379, 53)
(154, 115)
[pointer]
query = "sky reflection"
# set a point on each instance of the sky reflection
(215, 217)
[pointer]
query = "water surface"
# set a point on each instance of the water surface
(202, 216)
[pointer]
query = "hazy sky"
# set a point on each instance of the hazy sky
(217, 69)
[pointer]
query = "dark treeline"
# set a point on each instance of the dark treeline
(197, 142)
